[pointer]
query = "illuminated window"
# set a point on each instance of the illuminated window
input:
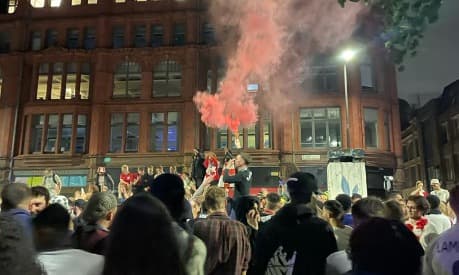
(12, 5)
(371, 127)
(85, 80)
(320, 127)
(167, 79)
(92, 2)
(55, 3)
(120, 1)
(258, 136)
(56, 80)
(42, 85)
(37, 3)
(127, 80)
(130, 136)
(164, 132)
(70, 81)
(76, 2)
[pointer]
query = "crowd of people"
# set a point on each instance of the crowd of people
(153, 222)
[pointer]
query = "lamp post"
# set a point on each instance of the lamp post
(347, 55)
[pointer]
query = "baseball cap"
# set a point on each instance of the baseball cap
(434, 181)
(302, 182)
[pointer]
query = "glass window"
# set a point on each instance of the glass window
(89, 38)
(179, 34)
(51, 135)
(51, 38)
(73, 38)
(42, 85)
(140, 40)
(208, 34)
(222, 138)
(323, 75)
(66, 134)
(70, 81)
(12, 5)
(76, 2)
(92, 2)
(167, 79)
(267, 140)
(85, 80)
(371, 127)
(127, 80)
(37, 3)
(172, 131)
(55, 3)
(253, 137)
(241, 139)
(118, 37)
(56, 84)
(157, 34)
(132, 132)
(36, 134)
(116, 132)
(367, 79)
(35, 41)
(157, 132)
(320, 127)
(80, 143)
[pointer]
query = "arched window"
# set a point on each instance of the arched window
(127, 80)
(167, 79)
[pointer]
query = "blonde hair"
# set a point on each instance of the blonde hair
(210, 154)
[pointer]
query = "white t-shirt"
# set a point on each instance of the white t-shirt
(338, 263)
(442, 194)
(71, 262)
(442, 255)
(440, 222)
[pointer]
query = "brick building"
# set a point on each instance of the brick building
(93, 82)
(431, 141)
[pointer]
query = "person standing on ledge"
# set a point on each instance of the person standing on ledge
(243, 179)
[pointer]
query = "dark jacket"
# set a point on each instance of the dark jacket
(109, 182)
(24, 218)
(144, 182)
(293, 240)
(197, 168)
(91, 238)
(242, 182)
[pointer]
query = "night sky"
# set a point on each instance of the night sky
(437, 62)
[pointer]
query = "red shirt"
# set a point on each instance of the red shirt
(128, 178)
(214, 165)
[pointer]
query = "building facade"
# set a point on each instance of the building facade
(87, 83)
(431, 142)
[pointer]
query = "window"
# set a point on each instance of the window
(140, 40)
(4, 42)
(37, 3)
(367, 78)
(35, 41)
(66, 134)
(444, 133)
(80, 143)
(157, 34)
(127, 80)
(371, 127)
(55, 3)
(51, 38)
(36, 133)
(208, 34)
(167, 79)
(89, 38)
(179, 34)
(92, 2)
(118, 37)
(124, 132)
(320, 127)
(323, 75)
(164, 132)
(12, 5)
(387, 131)
(51, 135)
(73, 38)
(120, 1)
(76, 2)
(73, 81)
(258, 136)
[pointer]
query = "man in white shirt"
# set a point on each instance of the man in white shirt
(442, 194)
(442, 255)
(53, 245)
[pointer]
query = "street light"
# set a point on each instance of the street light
(347, 55)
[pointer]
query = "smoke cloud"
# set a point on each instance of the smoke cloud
(270, 42)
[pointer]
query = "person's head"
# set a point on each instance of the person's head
(51, 227)
(355, 197)
(196, 151)
(79, 207)
(150, 170)
(381, 246)
(141, 171)
(396, 196)
(419, 184)
(48, 172)
(367, 208)
(301, 186)
(244, 205)
(125, 169)
(17, 256)
(16, 195)
(39, 199)
(169, 189)
(215, 199)
(101, 171)
(332, 210)
(100, 209)
(345, 201)
(62, 200)
(242, 160)
(435, 184)
(454, 199)
(393, 211)
(417, 206)
(142, 239)
(273, 202)
(434, 202)
(210, 155)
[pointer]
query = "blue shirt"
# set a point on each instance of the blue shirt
(24, 218)
(347, 220)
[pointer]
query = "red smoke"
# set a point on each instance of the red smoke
(268, 51)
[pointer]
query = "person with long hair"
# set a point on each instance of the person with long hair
(333, 213)
(142, 240)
